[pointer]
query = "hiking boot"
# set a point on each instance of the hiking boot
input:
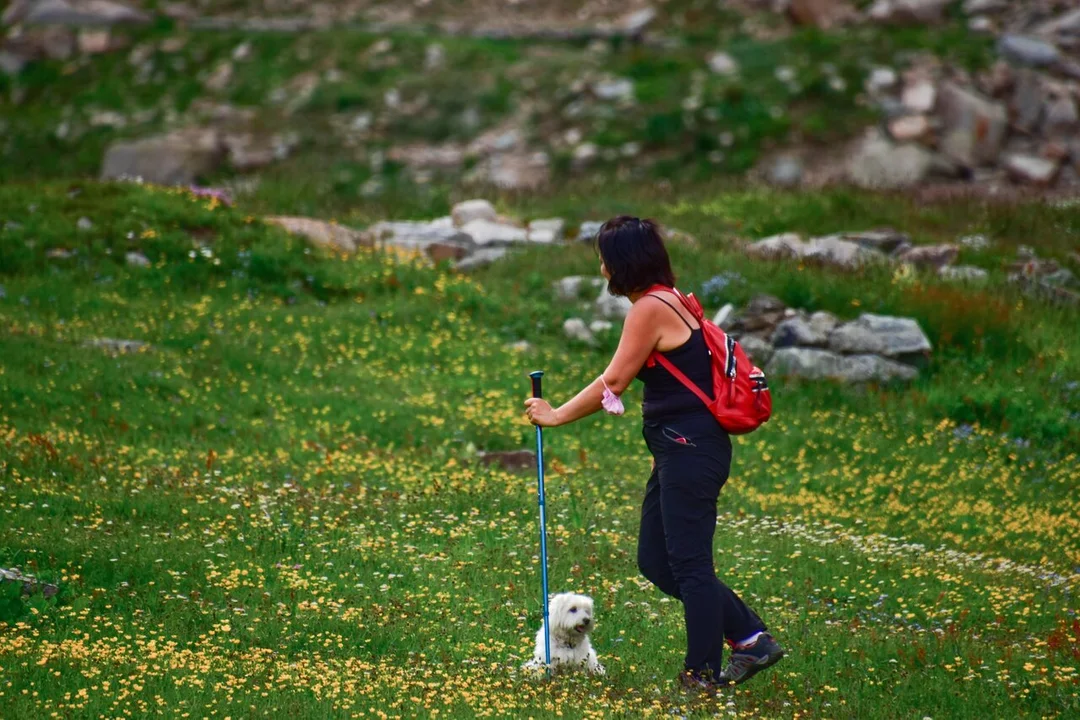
(692, 681)
(748, 661)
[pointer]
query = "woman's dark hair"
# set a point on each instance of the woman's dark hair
(633, 252)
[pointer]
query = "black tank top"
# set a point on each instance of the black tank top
(664, 395)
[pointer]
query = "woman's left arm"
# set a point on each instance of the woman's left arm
(639, 336)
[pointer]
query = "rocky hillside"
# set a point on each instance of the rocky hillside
(348, 99)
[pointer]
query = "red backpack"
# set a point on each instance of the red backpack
(741, 402)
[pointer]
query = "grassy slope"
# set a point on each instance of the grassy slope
(274, 511)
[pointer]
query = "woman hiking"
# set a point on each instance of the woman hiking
(691, 455)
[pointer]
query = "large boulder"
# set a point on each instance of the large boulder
(481, 258)
(469, 210)
(798, 332)
(973, 126)
(880, 335)
(785, 245)
(816, 364)
(840, 253)
(547, 230)
(930, 256)
(758, 349)
(487, 232)
(878, 164)
(762, 315)
(179, 158)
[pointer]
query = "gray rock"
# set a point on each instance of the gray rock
(880, 80)
(759, 350)
(588, 231)
(723, 64)
(487, 232)
(634, 23)
(93, 13)
(612, 306)
(115, 346)
(179, 158)
(1060, 119)
(546, 230)
(840, 253)
(469, 210)
(12, 61)
(815, 364)
(885, 240)
(879, 164)
(1027, 50)
(930, 256)
(976, 7)
(576, 329)
(614, 89)
(909, 128)
(30, 584)
(410, 235)
(599, 327)
(481, 258)
(973, 126)
(571, 288)
(1031, 169)
(880, 335)
(434, 57)
(908, 12)
(786, 172)
(584, 154)
(797, 332)
(964, 274)
(517, 170)
(823, 323)
(975, 242)
(1028, 100)
(788, 245)
(919, 96)
(84, 224)
(724, 316)
(137, 259)
(762, 315)
(1068, 24)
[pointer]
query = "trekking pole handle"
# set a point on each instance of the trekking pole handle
(536, 375)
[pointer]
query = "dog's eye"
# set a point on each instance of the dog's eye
(573, 609)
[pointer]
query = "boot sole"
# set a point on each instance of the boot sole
(769, 662)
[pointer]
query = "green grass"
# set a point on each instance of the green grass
(276, 510)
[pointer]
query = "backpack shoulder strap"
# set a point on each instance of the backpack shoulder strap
(687, 322)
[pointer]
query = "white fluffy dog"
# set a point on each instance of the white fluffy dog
(571, 619)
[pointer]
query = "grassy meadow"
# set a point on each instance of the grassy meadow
(274, 509)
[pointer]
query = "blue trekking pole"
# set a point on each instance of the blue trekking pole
(536, 393)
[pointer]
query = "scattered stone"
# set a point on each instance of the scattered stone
(434, 57)
(908, 12)
(518, 170)
(919, 96)
(469, 210)
(614, 89)
(447, 251)
(885, 240)
(59, 254)
(964, 274)
(575, 329)
(816, 364)
(786, 172)
(880, 335)
(247, 152)
(220, 78)
(599, 327)
(974, 126)
(570, 288)
(822, 14)
(584, 155)
(1027, 101)
(322, 234)
(763, 313)
(588, 231)
(975, 242)
(723, 64)
(1031, 169)
(976, 7)
(1027, 50)
(612, 306)
(546, 231)
(136, 259)
(797, 331)
(58, 43)
(95, 13)
(412, 235)
(759, 350)
(30, 584)
(84, 224)
(634, 23)
(1060, 119)
(909, 128)
(880, 80)
(724, 316)
(511, 461)
(840, 253)
(115, 346)
(930, 256)
(481, 258)
(13, 62)
(879, 164)
(486, 232)
(179, 158)
(95, 42)
(785, 245)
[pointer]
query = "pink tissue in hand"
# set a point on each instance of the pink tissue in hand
(611, 402)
